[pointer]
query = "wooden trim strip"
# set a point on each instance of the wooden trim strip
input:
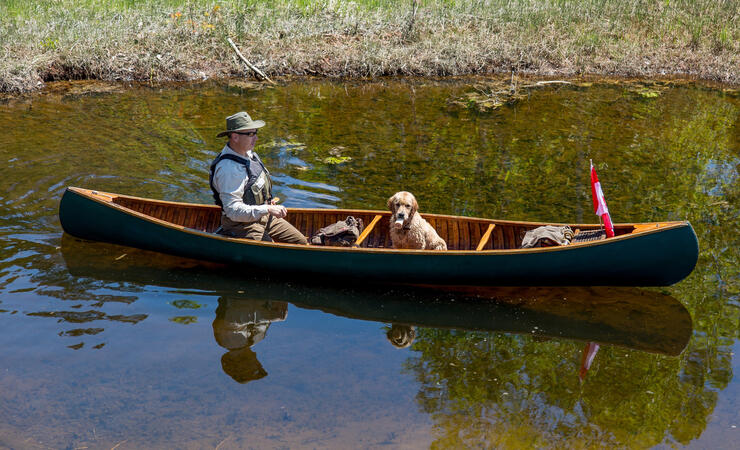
(367, 230)
(486, 236)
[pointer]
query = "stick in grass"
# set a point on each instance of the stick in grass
(256, 70)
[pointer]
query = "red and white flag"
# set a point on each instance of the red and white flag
(600, 202)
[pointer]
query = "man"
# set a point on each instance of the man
(241, 186)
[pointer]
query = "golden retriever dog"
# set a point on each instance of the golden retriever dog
(408, 228)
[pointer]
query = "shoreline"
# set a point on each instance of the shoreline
(187, 40)
(35, 82)
(522, 84)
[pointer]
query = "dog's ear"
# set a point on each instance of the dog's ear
(391, 201)
(414, 206)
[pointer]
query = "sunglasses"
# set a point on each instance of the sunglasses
(245, 133)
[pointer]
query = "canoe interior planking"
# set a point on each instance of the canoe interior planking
(460, 233)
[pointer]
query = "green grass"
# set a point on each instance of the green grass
(160, 40)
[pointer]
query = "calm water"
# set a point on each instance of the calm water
(103, 345)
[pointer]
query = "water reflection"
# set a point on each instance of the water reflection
(634, 318)
(481, 368)
(239, 325)
(400, 335)
(589, 353)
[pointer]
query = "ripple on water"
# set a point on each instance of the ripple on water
(304, 194)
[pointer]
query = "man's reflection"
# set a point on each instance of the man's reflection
(400, 335)
(239, 324)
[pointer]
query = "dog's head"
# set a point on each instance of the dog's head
(403, 206)
(401, 336)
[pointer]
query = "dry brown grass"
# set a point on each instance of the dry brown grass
(164, 40)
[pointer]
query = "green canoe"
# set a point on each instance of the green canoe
(481, 252)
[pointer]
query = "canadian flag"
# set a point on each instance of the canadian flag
(600, 203)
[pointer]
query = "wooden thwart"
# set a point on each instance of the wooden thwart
(366, 232)
(486, 236)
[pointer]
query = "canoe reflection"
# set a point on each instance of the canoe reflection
(639, 319)
(239, 325)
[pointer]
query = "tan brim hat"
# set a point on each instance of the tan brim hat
(240, 122)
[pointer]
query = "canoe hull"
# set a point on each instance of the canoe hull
(657, 258)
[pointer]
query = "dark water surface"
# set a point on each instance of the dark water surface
(103, 345)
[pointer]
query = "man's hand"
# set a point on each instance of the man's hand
(275, 201)
(278, 211)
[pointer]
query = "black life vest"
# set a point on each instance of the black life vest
(255, 192)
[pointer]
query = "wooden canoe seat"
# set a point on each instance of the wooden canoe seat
(485, 238)
(366, 232)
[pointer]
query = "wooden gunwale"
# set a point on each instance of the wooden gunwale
(643, 228)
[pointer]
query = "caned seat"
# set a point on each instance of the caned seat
(588, 236)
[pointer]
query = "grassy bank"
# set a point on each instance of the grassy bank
(158, 40)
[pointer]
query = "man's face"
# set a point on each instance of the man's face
(243, 140)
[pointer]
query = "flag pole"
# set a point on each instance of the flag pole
(600, 207)
(601, 221)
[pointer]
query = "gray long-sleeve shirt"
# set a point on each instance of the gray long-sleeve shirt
(230, 179)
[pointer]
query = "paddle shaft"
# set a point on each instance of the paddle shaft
(266, 235)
